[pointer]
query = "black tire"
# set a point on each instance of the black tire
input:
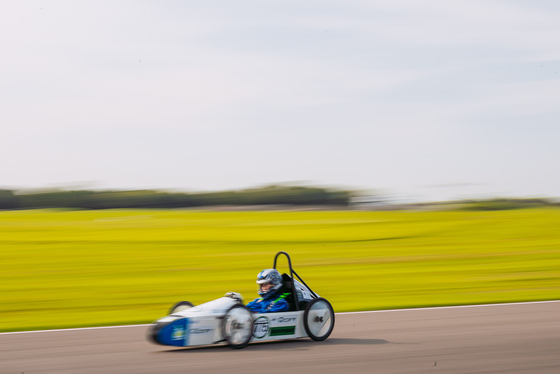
(180, 306)
(237, 326)
(318, 319)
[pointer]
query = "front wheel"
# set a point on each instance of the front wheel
(237, 326)
(318, 319)
(180, 306)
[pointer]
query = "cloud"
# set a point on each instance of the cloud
(390, 93)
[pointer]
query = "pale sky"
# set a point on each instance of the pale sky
(430, 100)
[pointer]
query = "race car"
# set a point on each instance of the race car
(228, 320)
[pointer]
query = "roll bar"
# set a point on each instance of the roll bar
(292, 273)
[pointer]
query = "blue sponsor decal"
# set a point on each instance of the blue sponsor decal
(175, 333)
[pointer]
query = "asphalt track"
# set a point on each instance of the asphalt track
(507, 338)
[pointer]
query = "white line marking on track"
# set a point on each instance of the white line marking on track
(452, 307)
(74, 329)
(362, 312)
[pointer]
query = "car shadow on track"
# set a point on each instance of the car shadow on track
(282, 344)
(350, 341)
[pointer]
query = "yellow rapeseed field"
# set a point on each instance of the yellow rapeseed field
(89, 268)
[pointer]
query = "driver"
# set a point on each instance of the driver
(271, 300)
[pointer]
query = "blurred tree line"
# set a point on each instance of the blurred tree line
(87, 199)
(506, 204)
(269, 195)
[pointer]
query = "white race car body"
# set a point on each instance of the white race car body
(227, 320)
(202, 325)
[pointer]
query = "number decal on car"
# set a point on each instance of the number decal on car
(261, 327)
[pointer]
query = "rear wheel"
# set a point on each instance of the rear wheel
(237, 326)
(318, 319)
(180, 306)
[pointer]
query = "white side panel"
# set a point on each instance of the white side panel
(202, 331)
(277, 326)
(204, 321)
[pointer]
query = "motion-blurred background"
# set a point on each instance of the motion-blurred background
(403, 153)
